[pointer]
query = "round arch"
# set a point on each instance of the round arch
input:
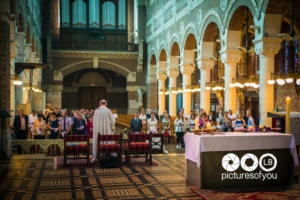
(84, 65)
(250, 4)
(210, 17)
(190, 30)
(174, 39)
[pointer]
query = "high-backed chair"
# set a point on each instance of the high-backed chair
(76, 145)
(139, 143)
(110, 144)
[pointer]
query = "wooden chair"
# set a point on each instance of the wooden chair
(110, 148)
(76, 149)
(139, 143)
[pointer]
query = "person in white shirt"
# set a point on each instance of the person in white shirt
(179, 129)
(32, 118)
(232, 117)
(152, 124)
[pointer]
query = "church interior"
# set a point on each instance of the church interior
(150, 99)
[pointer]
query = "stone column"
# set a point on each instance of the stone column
(53, 95)
(28, 52)
(130, 20)
(20, 57)
(172, 73)
(230, 57)
(5, 151)
(152, 89)
(187, 70)
(205, 65)
(267, 48)
(161, 76)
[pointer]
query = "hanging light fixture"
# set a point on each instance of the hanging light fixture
(247, 81)
(17, 81)
(289, 69)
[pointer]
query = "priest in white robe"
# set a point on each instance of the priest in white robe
(103, 124)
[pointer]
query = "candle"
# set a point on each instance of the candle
(196, 124)
(287, 114)
(208, 125)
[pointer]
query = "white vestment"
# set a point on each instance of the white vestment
(103, 124)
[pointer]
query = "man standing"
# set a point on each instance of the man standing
(78, 126)
(65, 124)
(136, 124)
(103, 124)
(21, 125)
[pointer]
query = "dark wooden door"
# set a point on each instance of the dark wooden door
(89, 97)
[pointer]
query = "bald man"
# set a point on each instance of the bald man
(103, 124)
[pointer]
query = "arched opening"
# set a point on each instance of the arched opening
(240, 36)
(20, 23)
(214, 78)
(27, 36)
(175, 82)
(188, 68)
(85, 88)
(162, 82)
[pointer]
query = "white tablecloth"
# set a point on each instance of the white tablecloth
(231, 141)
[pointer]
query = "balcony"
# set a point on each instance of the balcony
(92, 39)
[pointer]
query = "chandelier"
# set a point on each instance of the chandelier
(249, 80)
(289, 68)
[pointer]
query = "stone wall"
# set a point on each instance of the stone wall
(282, 92)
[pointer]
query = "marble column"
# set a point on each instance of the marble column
(5, 151)
(187, 70)
(161, 76)
(230, 57)
(172, 73)
(205, 65)
(20, 57)
(267, 48)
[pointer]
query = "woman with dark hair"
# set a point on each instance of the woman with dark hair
(53, 126)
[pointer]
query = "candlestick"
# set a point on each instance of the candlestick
(287, 115)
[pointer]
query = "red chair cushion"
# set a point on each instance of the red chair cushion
(70, 138)
(138, 146)
(110, 148)
(109, 137)
(140, 136)
(76, 149)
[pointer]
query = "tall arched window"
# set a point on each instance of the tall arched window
(65, 13)
(122, 15)
(108, 15)
(94, 21)
(79, 14)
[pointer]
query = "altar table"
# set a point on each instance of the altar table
(240, 159)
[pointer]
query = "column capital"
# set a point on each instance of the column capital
(231, 56)
(172, 72)
(161, 76)
(267, 46)
(205, 63)
(187, 68)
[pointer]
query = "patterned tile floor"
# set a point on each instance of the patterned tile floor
(34, 177)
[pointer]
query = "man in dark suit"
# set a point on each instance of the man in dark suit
(21, 125)
(79, 125)
(136, 124)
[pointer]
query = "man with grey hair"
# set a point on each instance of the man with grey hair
(103, 124)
